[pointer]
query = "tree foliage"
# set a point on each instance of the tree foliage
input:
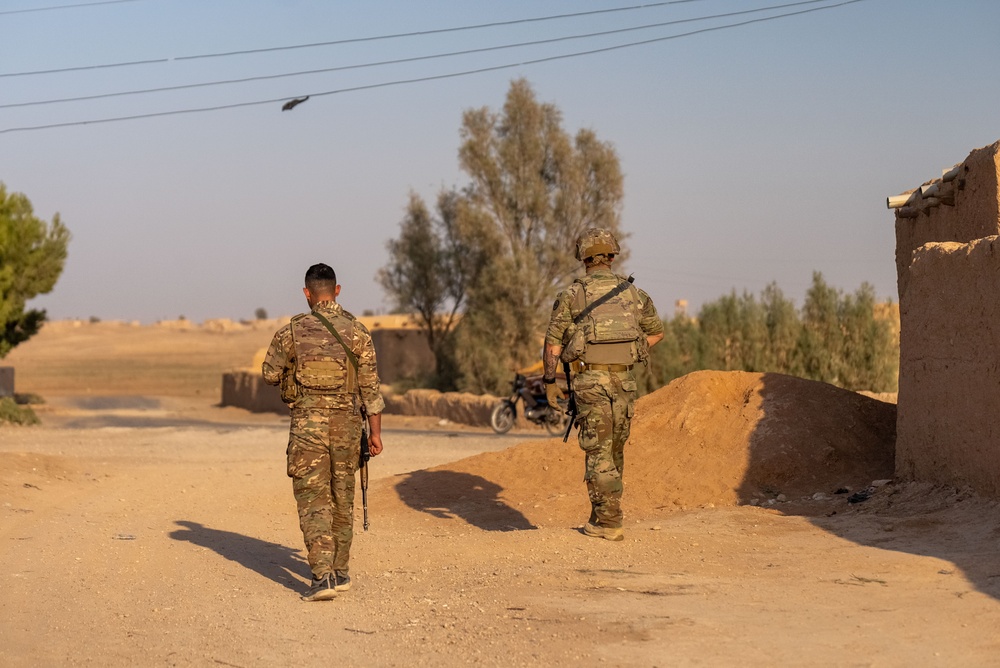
(432, 265)
(32, 255)
(843, 339)
(533, 188)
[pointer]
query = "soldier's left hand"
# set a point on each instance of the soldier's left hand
(375, 444)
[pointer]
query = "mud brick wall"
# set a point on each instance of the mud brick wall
(461, 407)
(402, 354)
(247, 389)
(6, 381)
(948, 422)
(948, 269)
(974, 214)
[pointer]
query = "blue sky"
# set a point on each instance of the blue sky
(753, 154)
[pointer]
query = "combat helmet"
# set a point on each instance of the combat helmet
(596, 241)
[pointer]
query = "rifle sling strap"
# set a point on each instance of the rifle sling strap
(350, 354)
(610, 294)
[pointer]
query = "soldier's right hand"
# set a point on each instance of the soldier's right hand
(553, 394)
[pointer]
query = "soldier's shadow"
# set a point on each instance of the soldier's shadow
(450, 494)
(273, 561)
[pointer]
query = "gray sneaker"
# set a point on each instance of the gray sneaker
(342, 581)
(322, 589)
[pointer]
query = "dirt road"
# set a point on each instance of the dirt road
(161, 531)
(138, 529)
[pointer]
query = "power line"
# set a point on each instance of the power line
(343, 41)
(81, 68)
(397, 61)
(438, 31)
(55, 7)
(434, 77)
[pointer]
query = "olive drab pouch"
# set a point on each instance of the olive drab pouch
(288, 388)
(612, 311)
(322, 364)
(574, 344)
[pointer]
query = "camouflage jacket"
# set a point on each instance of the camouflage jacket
(280, 363)
(572, 301)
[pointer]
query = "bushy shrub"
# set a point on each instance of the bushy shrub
(11, 413)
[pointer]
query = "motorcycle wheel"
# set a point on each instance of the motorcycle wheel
(502, 417)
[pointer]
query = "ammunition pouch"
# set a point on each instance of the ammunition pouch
(289, 388)
(574, 344)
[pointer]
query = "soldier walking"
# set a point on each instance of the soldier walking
(606, 323)
(324, 362)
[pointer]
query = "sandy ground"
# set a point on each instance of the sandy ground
(147, 527)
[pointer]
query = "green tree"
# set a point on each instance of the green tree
(821, 340)
(869, 356)
(32, 255)
(783, 330)
(843, 339)
(538, 188)
(431, 267)
(502, 246)
(677, 355)
(734, 333)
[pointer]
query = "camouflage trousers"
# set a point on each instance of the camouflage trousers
(606, 402)
(323, 452)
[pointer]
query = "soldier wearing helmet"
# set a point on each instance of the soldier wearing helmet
(608, 325)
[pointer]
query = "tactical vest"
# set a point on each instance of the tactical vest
(321, 363)
(610, 332)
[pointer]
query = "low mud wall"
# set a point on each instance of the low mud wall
(461, 407)
(402, 354)
(247, 389)
(6, 381)
(949, 381)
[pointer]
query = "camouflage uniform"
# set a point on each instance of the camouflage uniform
(319, 383)
(605, 397)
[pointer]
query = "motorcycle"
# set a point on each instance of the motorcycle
(537, 409)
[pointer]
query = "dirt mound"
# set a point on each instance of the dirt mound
(711, 437)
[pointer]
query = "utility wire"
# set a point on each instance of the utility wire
(397, 61)
(54, 7)
(438, 31)
(346, 41)
(398, 82)
(81, 68)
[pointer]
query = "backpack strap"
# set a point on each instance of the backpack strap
(350, 354)
(610, 294)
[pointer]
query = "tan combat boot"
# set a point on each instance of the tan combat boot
(608, 533)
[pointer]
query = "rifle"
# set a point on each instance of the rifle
(365, 456)
(571, 408)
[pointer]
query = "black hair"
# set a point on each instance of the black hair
(321, 279)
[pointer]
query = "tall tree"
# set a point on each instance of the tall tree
(843, 339)
(32, 255)
(783, 330)
(431, 267)
(502, 246)
(869, 356)
(821, 340)
(538, 188)
(678, 354)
